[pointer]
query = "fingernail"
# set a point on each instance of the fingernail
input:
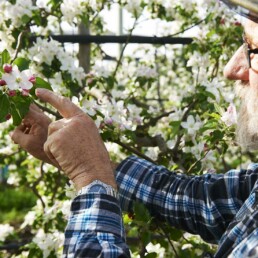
(39, 91)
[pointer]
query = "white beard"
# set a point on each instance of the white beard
(247, 125)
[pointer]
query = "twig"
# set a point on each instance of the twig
(175, 149)
(133, 150)
(123, 49)
(18, 46)
(34, 189)
(188, 28)
(196, 162)
(168, 238)
(56, 114)
(158, 86)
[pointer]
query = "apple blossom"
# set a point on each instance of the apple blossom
(145, 71)
(230, 116)
(18, 80)
(18, 10)
(191, 125)
(48, 242)
(5, 231)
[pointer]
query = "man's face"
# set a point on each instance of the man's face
(246, 88)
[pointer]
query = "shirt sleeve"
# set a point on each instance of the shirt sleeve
(203, 205)
(95, 228)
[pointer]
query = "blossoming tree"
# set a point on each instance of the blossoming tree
(166, 103)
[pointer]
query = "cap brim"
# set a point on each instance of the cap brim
(246, 8)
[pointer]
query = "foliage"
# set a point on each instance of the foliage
(163, 103)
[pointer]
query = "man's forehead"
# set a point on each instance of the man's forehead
(251, 30)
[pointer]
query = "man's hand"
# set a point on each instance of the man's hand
(75, 144)
(31, 134)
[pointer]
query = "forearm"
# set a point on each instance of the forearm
(202, 205)
(95, 228)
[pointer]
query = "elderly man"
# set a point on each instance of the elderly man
(221, 208)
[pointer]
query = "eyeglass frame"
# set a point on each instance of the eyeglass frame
(248, 51)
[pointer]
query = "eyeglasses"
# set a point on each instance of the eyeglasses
(249, 51)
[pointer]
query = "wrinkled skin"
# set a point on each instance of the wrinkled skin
(75, 145)
(31, 134)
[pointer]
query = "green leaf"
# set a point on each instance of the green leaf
(141, 213)
(4, 107)
(17, 118)
(40, 83)
(175, 234)
(6, 58)
(19, 108)
(146, 237)
(25, 19)
(219, 109)
(151, 255)
(22, 63)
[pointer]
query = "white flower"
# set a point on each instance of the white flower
(18, 80)
(160, 251)
(5, 231)
(197, 58)
(70, 190)
(57, 84)
(152, 152)
(171, 143)
(145, 71)
(177, 115)
(90, 106)
(134, 7)
(66, 206)
(191, 125)
(197, 150)
(48, 242)
(187, 246)
(230, 116)
(44, 4)
(17, 11)
(44, 51)
(29, 219)
(13, 179)
(102, 69)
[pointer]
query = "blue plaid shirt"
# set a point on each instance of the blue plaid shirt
(221, 208)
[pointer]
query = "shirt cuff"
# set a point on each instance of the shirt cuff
(94, 212)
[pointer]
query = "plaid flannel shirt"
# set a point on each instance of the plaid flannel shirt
(95, 228)
(221, 208)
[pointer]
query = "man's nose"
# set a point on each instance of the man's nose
(237, 68)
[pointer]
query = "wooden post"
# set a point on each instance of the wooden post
(84, 49)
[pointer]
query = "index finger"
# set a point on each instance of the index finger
(63, 105)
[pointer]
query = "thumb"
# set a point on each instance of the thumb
(19, 137)
(63, 105)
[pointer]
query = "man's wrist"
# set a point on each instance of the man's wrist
(98, 187)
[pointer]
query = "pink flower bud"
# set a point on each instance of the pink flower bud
(12, 93)
(109, 121)
(237, 23)
(7, 117)
(25, 93)
(32, 79)
(7, 68)
(90, 81)
(222, 21)
(2, 82)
